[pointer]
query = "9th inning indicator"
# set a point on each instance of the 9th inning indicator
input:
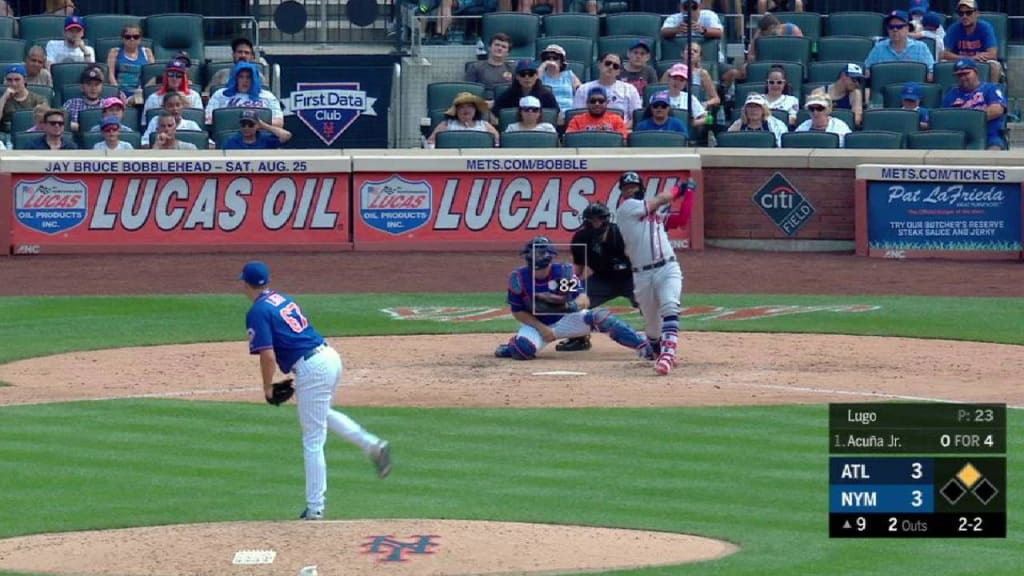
(917, 496)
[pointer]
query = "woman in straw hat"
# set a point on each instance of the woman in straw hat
(467, 112)
(820, 107)
(756, 117)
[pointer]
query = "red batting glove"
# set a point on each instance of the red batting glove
(682, 218)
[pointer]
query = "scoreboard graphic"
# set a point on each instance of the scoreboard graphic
(917, 470)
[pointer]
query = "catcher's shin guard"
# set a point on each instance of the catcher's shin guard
(518, 348)
(603, 321)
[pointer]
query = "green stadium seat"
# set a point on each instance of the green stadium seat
(572, 24)
(174, 33)
(891, 120)
(865, 24)
(874, 139)
(844, 49)
(441, 94)
(745, 140)
(784, 49)
(620, 44)
(48, 26)
(658, 139)
(22, 120)
(227, 118)
(67, 73)
(808, 22)
(826, 72)
(529, 140)
(931, 95)
(12, 50)
(464, 139)
(943, 74)
(1001, 25)
(7, 27)
(522, 28)
(46, 92)
(810, 140)
(594, 140)
(103, 45)
(886, 73)
(110, 26)
(223, 136)
(577, 48)
(937, 140)
(645, 24)
(971, 122)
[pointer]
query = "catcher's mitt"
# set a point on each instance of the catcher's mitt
(282, 392)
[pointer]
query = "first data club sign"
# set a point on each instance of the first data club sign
(939, 211)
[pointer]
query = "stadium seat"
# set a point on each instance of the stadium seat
(508, 115)
(865, 24)
(572, 24)
(781, 116)
(441, 94)
(91, 117)
(758, 72)
(594, 140)
(45, 92)
(886, 73)
(227, 118)
(529, 140)
(931, 95)
(48, 26)
(173, 33)
(891, 119)
(500, 89)
(223, 136)
(656, 87)
(582, 72)
(930, 43)
(784, 49)
(745, 140)
(646, 24)
(808, 22)
(971, 122)
(65, 73)
(844, 49)
(937, 140)
(7, 27)
(20, 140)
(944, 77)
(826, 72)
(810, 140)
(12, 50)
(577, 48)
(1001, 25)
(103, 45)
(464, 139)
(198, 138)
(671, 49)
(744, 90)
(620, 45)
(874, 139)
(109, 26)
(522, 28)
(90, 139)
(22, 120)
(658, 139)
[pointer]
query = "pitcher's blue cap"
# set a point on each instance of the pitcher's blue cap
(255, 273)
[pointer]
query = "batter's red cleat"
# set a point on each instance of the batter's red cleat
(664, 364)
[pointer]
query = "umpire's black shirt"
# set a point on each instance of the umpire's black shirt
(605, 254)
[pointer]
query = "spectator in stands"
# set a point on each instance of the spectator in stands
(173, 105)
(175, 79)
(526, 83)
(707, 24)
(113, 107)
(241, 51)
(255, 134)
(971, 37)
(767, 26)
(167, 137)
(778, 94)
(528, 117)
(555, 74)
(679, 96)
(820, 107)
(60, 7)
(970, 92)
(244, 89)
(39, 115)
(467, 112)
(35, 65)
(658, 116)
(636, 70)
(91, 81)
(899, 46)
(5, 9)
(699, 77)
(916, 11)
(756, 117)
(764, 6)
(910, 97)
(53, 121)
(526, 6)
(846, 93)
(597, 118)
(111, 128)
(73, 47)
(931, 26)
(16, 96)
(496, 69)
(125, 62)
(619, 94)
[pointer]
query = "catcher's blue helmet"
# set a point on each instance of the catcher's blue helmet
(632, 178)
(539, 252)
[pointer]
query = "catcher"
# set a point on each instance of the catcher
(282, 336)
(547, 299)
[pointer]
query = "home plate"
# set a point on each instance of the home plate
(560, 373)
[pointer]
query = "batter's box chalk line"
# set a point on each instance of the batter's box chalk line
(253, 557)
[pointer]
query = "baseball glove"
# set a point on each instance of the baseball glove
(282, 392)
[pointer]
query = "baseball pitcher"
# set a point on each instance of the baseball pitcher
(657, 277)
(283, 337)
(548, 300)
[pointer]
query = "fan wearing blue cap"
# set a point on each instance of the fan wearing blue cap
(899, 46)
(658, 116)
(526, 83)
(636, 70)
(970, 92)
(910, 98)
(111, 129)
(282, 336)
(972, 37)
(72, 48)
(16, 96)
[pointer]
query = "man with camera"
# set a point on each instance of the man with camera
(598, 245)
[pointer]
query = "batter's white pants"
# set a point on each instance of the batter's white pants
(658, 292)
(316, 381)
(569, 326)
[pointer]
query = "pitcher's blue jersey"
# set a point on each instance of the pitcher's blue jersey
(521, 289)
(276, 321)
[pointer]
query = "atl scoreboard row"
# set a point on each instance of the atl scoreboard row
(917, 470)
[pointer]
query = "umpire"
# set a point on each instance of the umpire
(598, 245)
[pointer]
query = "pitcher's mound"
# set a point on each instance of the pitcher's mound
(354, 548)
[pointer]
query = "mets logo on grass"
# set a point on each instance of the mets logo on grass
(784, 204)
(51, 205)
(396, 205)
(329, 108)
(391, 549)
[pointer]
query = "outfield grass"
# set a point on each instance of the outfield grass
(753, 475)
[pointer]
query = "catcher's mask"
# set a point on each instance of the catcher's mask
(596, 210)
(539, 252)
(629, 178)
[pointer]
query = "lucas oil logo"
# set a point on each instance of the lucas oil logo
(329, 108)
(51, 205)
(395, 205)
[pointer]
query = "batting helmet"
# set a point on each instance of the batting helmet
(539, 252)
(632, 178)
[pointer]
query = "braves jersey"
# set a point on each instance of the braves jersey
(979, 99)
(276, 321)
(523, 284)
(646, 240)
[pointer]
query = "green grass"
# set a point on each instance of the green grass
(136, 463)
